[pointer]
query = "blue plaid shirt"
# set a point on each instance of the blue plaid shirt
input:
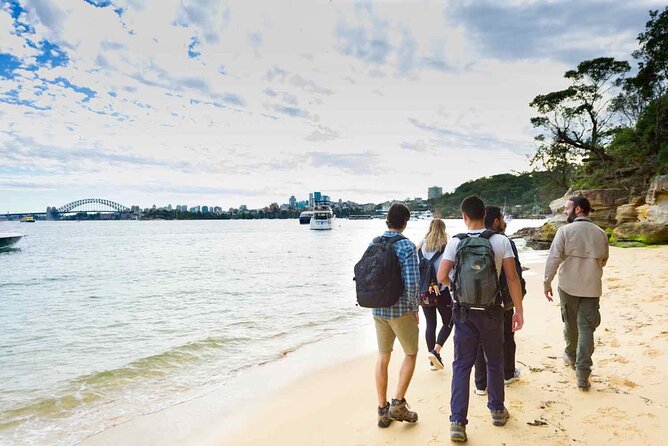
(410, 272)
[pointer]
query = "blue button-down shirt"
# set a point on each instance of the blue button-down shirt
(410, 272)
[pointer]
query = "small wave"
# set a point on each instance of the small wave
(96, 386)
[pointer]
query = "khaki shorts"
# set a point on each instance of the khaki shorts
(404, 327)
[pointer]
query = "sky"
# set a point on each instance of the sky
(203, 102)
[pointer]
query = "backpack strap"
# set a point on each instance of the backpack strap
(393, 239)
(461, 236)
(436, 256)
(487, 233)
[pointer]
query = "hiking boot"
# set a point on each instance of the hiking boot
(481, 392)
(584, 384)
(569, 361)
(457, 432)
(383, 419)
(399, 411)
(515, 377)
(435, 359)
(499, 417)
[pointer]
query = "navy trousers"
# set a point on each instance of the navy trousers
(475, 327)
(509, 349)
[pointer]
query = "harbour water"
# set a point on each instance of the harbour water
(101, 322)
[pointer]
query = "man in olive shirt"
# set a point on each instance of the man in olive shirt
(581, 248)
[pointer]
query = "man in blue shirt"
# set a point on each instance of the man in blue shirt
(398, 321)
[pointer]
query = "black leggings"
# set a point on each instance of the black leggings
(444, 307)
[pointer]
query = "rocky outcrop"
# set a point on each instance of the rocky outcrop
(651, 223)
(539, 238)
(635, 218)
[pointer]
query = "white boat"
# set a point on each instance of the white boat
(9, 239)
(322, 218)
(305, 217)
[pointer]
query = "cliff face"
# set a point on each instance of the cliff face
(636, 218)
(651, 216)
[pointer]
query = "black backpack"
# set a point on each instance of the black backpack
(505, 292)
(378, 280)
(430, 289)
(476, 283)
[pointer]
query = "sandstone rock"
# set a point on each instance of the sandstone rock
(626, 213)
(637, 200)
(645, 231)
(658, 190)
(541, 238)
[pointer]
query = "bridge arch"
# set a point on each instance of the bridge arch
(69, 207)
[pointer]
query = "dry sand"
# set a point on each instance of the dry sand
(628, 402)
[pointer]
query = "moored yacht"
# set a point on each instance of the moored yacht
(305, 217)
(322, 217)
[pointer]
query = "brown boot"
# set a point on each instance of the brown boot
(399, 411)
(383, 419)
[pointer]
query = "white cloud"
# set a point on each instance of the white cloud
(279, 101)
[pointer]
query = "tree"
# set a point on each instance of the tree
(580, 117)
(559, 159)
(651, 82)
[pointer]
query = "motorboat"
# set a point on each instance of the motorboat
(28, 219)
(9, 239)
(322, 218)
(305, 217)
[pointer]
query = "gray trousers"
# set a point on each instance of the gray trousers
(581, 316)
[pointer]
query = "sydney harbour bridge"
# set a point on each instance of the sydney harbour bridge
(85, 205)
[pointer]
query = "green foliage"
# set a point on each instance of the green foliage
(533, 191)
(607, 130)
(578, 118)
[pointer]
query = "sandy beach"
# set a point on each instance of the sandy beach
(335, 404)
(627, 403)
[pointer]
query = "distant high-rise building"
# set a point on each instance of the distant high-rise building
(292, 201)
(243, 207)
(205, 209)
(434, 192)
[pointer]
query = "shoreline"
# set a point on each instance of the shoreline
(332, 401)
(626, 404)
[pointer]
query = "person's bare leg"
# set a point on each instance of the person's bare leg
(381, 377)
(405, 375)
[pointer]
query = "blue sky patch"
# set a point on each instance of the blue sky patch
(67, 84)
(8, 64)
(99, 3)
(52, 55)
(192, 48)
(15, 8)
(12, 97)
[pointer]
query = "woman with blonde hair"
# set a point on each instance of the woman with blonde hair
(434, 245)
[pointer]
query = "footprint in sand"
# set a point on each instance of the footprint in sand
(652, 352)
(434, 440)
(656, 298)
(517, 405)
(649, 370)
(608, 413)
(615, 359)
(621, 381)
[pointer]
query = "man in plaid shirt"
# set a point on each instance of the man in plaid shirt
(398, 321)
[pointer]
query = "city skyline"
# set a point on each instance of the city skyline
(242, 102)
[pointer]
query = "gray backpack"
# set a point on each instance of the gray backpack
(476, 283)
